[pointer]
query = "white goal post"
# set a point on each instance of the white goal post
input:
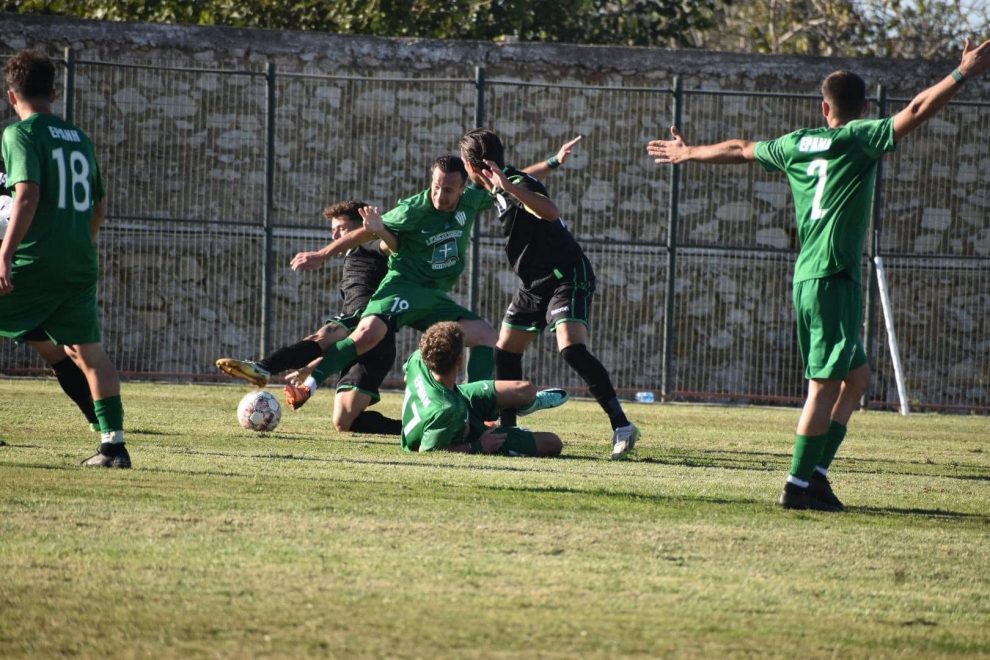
(888, 319)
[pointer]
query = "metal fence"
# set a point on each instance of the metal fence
(217, 178)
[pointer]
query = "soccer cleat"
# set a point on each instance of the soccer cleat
(296, 396)
(623, 440)
(795, 497)
(545, 399)
(109, 456)
(252, 372)
(820, 488)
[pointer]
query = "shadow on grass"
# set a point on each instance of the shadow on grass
(914, 511)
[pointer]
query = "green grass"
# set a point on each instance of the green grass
(313, 543)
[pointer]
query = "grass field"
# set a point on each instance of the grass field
(313, 543)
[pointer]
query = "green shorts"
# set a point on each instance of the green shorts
(400, 303)
(518, 442)
(346, 321)
(68, 316)
(829, 326)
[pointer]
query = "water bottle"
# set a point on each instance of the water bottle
(644, 397)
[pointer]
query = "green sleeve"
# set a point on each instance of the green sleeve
(21, 160)
(772, 154)
(478, 199)
(875, 135)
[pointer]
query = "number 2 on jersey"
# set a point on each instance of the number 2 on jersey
(78, 168)
(819, 168)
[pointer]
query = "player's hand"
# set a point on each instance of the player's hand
(307, 261)
(6, 274)
(668, 151)
(495, 176)
(371, 217)
(567, 148)
(975, 59)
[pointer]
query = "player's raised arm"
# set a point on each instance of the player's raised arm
(676, 150)
(541, 169)
(975, 61)
(313, 260)
(372, 220)
(539, 205)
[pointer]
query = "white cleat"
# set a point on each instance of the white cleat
(623, 440)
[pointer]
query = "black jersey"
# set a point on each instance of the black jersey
(364, 268)
(535, 247)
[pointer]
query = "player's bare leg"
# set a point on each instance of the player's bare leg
(260, 372)
(70, 378)
(104, 386)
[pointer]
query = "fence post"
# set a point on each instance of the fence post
(69, 84)
(479, 121)
(872, 343)
(268, 271)
(666, 369)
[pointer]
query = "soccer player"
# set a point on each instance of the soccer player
(437, 413)
(831, 171)
(556, 281)
(433, 228)
(48, 264)
(70, 378)
(365, 264)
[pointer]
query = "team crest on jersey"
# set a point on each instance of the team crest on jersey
(461, 217)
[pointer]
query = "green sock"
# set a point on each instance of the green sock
(807, 453)
(336, 357)
(481, 363)
(836, 434)
(110, 413)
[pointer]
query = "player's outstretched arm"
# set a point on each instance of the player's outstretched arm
(372, 219)
(541, 169)
(539, 205)
(975, 61)
(313, 260)
(676, 150)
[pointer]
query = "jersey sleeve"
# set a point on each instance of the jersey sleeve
(21, 160)
(875, 135)
(399, 219)
(772, 154)
(478, 199)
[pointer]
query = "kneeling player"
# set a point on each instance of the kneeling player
(437, 413)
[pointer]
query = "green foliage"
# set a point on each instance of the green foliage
(311, 543)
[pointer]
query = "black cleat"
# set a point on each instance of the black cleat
(109, 456)
(821, 490)
(795, 497)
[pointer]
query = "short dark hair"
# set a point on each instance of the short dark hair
(30, 74)
(441, 346)
(846, 93)
(482, 144)
(347, 209)
(450, 163)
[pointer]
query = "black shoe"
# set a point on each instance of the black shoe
(109, 456)
(821, 490)
(795, 497)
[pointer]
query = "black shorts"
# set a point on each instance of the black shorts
(563, 298)
(37, 334)
(367, 372)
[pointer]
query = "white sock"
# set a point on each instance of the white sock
(800, 483)
(311, 385)
(822, 471)
(112, 438)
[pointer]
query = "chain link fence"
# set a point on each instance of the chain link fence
(216, 178)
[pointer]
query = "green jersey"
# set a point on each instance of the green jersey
(433, 417)
(57, 249)
(432, 243)
(832, 172)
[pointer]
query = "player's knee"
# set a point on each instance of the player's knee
(549, 444)
(526, 391)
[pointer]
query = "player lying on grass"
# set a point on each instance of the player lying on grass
(437, 413)
(48, 263)
(556, 281)
(433, 229)
(365, 264)
(831, 171)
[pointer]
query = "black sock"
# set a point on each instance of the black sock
(74, 384)
(292, 357)
(508, 366)
(599, 383)
(372, 421)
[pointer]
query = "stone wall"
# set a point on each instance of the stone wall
(179, 116)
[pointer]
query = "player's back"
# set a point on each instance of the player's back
(433, 417)
(61, 160)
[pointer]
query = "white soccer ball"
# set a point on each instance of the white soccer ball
(6, 202)
(259, 411)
